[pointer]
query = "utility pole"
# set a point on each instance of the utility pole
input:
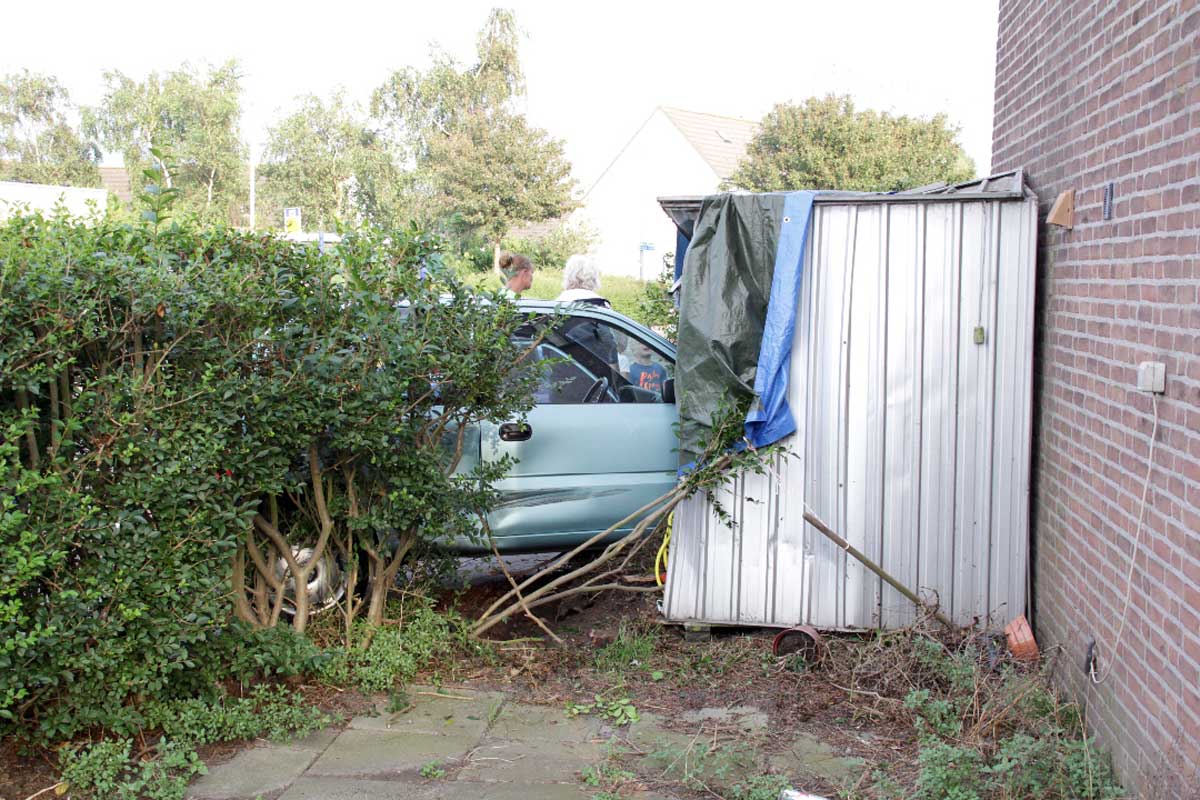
(253, 187)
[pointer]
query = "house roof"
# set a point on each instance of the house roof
(116, 180)
(720, 141)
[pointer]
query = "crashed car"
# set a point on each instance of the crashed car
(599, 444)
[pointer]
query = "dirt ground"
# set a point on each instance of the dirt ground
(618, 646)
(733, 668)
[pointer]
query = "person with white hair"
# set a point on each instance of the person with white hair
(581, 282)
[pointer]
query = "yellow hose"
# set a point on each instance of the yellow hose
(660, 560)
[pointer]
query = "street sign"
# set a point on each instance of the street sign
(646, 247)
(291, 220)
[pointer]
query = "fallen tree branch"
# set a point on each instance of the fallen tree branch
(504, 567)
(551, 592)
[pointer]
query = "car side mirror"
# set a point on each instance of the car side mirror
(668, 393)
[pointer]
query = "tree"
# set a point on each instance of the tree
(421, 106)
(37, 143)
(479, 166)
(491, 174)
(325, 160)
(194, 116)
(824, 143)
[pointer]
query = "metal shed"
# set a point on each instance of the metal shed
(911, 389)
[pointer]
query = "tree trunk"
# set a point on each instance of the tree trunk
(384, 578)
(241, 603)
(496, 258)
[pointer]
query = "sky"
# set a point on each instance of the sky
(594, 71)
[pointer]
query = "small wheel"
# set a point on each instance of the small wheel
(596, 391)
(326, 583)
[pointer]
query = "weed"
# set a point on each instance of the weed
(761, 787)
(632, 647)
(701, 766)
(397, 701)
(949, 772)
(432, 771)
(621, 711)
(270, 711)
(606, 775)
(107, 770)
(983, 731)
(378, 658)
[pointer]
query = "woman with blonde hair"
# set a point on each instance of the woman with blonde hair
(518, 273)
(581, 282)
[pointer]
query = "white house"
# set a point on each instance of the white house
(674, 152)
(77, 202)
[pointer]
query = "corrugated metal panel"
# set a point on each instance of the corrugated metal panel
(912, 440)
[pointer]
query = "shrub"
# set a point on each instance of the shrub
(182, 410)
(551, 250)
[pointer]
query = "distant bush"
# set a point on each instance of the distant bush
(551, 250)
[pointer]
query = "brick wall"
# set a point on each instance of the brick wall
(1090, 93)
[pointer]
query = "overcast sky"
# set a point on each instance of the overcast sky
(595, 70)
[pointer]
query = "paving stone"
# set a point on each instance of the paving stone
(259, 770)
(358, 752)
(350, 789)
(809, 756)
(746, 719)
(529, 723)
(438, 716)
(521, 791)
(316, 741)
(679, 756)
(530, 762)
(347, 789)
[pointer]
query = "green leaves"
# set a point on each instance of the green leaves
(825, 143)
(161, 386)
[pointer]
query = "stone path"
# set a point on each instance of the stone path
(476, 746)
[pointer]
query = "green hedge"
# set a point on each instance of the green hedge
(163, 389)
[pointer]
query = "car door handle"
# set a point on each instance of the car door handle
(516, 431)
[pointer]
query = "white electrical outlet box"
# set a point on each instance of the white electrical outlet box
(1152, 377)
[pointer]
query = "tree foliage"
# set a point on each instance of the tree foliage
(38, 143)
(825, 143)
(325, 159)
(420, 106)
(196, 116)
(493, 173)
(479, 165)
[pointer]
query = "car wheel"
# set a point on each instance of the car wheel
(326, 583)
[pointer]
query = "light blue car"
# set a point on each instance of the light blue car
(600, 443)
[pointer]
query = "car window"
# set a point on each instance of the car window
(635, 370)
(564, 379)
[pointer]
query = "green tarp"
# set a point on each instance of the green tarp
(726, 286)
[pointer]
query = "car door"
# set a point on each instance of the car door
(597, 445)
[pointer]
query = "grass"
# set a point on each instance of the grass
(623, 292)
(633, 647)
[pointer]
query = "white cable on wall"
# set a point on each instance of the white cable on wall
(1093, 672)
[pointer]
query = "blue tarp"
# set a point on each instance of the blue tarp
(770, 418)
